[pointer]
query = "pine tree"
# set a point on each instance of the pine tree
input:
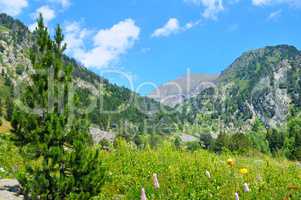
(50, 132)
(293, 140)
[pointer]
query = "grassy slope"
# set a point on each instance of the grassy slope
(182, 175)
(3, 29)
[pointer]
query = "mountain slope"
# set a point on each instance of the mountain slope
(96, 93)
(177, 91)
(263, 83)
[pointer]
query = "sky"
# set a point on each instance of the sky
(150, 42)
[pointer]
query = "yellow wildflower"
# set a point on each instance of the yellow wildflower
(230, 162)
(243, 171)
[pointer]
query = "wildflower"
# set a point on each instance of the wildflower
(143, 195)
(230, 162)
(246, 187)
(208, 174)
(155, 181)
(243, 171)
(236, 196)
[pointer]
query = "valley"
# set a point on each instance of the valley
(68, 133)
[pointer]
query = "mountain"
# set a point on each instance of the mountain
(177, 91)
(261, 84)
(125, 110)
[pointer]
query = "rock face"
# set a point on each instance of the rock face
(99, 135)
(188, 138)
(263, 83)
(9, 190)
(177, 91)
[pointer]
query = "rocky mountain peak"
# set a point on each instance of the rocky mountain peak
(177, 91)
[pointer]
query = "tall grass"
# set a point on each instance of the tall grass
(184, 175)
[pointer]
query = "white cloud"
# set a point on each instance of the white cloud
(172, 26)
(212, 7)
(292, 3)
(191, 24)
(63, 3)
(107, 44)
(75, 36)
(274, 15)
(261, 2)
(47, 13)
(120, 36)
(13, 7)
(32, 27)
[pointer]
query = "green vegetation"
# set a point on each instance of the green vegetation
(5, 103)
(109, 98)
(3, 29)
(10, 159)
(60, 160)
(51, 153)
(182, 175)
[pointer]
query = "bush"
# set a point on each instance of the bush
(206, 140)
(10, 159)
(239, 143)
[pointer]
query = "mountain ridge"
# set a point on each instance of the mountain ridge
(262, 83)
(184, 87)
(15, 42)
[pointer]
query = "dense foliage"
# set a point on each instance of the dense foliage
(50, 132)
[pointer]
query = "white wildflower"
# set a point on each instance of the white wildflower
(143, 195)
(208, 174)
(236, 196)
(155, 181)
(246, 187)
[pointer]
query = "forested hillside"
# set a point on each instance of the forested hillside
(216, 145)
(130, 109)
(261, 84)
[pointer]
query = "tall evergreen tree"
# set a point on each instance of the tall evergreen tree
(50, 132)
(293, 141)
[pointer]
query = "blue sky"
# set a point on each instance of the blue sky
(157, 40)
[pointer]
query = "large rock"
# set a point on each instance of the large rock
(99, 135)
(9, 190)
